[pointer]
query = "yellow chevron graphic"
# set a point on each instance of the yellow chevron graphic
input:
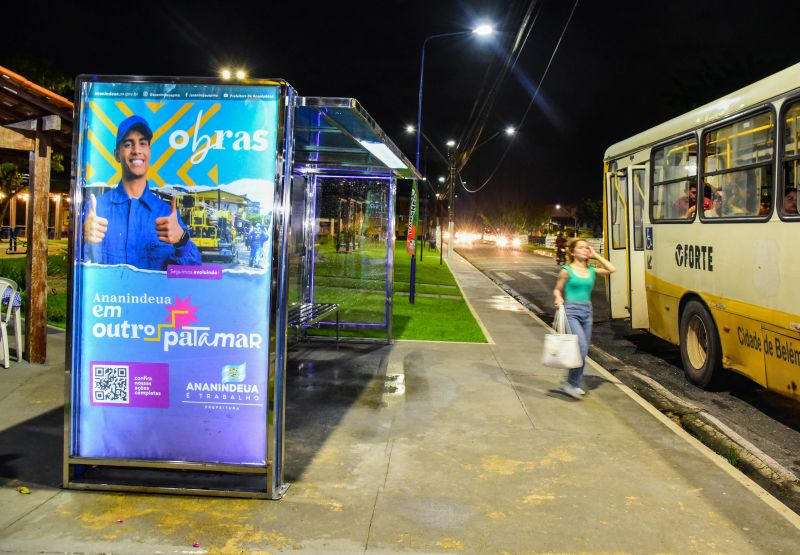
(154, 106)
(170, 325)
(97, 111)
(124, 109)
(98, 144)
(171, 121)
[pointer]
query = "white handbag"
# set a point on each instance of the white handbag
(561, 349)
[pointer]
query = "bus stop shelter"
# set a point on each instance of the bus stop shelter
(175, 384)
(344, 184)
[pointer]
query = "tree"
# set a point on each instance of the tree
(590, 212)
(515, 216)
(10, 183)
(39, 71)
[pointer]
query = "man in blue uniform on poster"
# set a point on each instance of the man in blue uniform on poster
(131, 225)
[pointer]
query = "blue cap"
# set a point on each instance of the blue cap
(137, 123)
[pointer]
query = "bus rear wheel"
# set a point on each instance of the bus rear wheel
(701, 352)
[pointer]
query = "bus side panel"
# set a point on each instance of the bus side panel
(782, 356)
(662, 308)
(742, 345)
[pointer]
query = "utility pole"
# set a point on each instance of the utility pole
(451, 209)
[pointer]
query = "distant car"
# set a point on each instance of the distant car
(509, 242)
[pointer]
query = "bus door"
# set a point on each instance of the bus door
(636, 248)
(617, 224)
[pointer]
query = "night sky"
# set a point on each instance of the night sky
(622, 66)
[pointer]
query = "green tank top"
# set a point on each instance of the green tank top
(579, 289)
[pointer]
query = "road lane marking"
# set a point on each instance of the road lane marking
(504, 276)
(530, 275)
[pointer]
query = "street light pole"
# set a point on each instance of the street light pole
(482, 31)
(451, 183)
(421, 76)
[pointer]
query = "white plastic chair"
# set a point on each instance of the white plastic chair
(9, 310)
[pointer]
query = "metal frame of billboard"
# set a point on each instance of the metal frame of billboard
(187, 476)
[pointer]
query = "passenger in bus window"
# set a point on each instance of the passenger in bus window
(736, 203)
(717, 202)
(790, 201)
(765, 205)
(686, 206)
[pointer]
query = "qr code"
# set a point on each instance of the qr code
(111, 384)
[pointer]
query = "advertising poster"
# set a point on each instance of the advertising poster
(174, 209)
(413, 220)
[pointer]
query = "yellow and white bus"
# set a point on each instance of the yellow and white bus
(701, 222)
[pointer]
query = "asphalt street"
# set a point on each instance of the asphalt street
(768, 421)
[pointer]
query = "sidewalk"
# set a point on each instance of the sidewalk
(479, 454)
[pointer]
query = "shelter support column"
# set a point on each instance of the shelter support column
(36, 271)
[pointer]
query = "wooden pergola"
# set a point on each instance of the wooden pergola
(35, 120)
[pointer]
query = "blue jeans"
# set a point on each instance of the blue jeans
(579, 319)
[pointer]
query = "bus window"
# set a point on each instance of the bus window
(638, 191)
(787, 204)
(618, 193)
(674, 181)
(737, 165)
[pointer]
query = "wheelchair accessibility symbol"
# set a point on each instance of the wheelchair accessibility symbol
(648, 238)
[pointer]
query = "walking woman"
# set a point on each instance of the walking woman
(574, 291)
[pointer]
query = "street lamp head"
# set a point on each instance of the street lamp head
(558, 207)
(441, 179)
(510, 130)
(451, 143)
(483, 30)
(410, 129)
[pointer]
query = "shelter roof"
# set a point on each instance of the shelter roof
(336, 136)
(22, 100)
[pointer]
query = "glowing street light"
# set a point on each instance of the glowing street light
(482, 31)
(227, 74)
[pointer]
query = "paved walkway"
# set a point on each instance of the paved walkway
(479, 454)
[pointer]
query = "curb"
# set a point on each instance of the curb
(740, 453)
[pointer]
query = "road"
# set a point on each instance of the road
(768, 421)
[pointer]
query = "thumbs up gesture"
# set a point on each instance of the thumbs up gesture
(94, 227)
(167, 227)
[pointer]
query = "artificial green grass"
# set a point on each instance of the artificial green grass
(443, 316)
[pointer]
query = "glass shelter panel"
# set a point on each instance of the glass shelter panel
(351, 248)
